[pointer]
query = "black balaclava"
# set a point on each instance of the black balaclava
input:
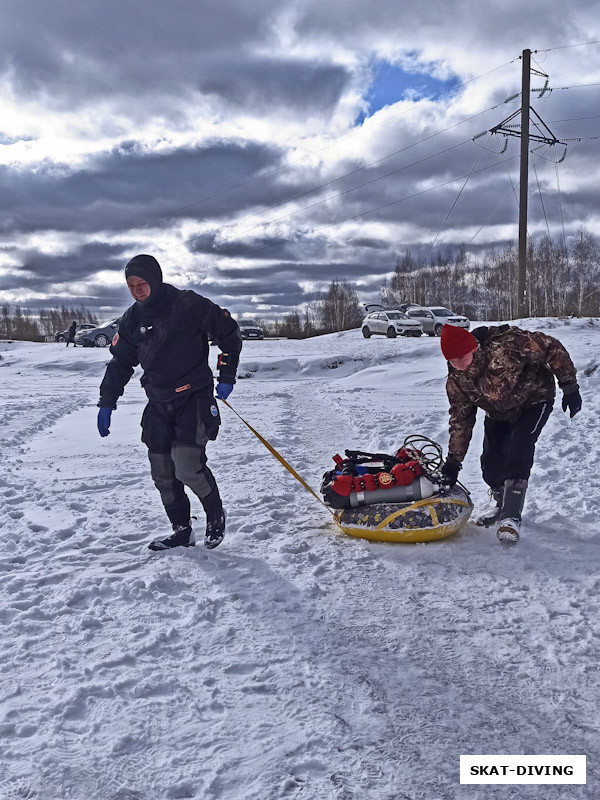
(147, 268)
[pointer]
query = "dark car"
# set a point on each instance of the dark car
(100, 335)
(250, 329)
(62, 336)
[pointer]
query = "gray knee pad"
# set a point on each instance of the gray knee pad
(191, 469)
(162, 470)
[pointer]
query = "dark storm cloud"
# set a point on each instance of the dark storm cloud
(60, 44)
(131, 185)
(104, 302)
(78, 268)
(371, 243)
(417, 24)
(259, 83)
(259, 247)
(267, 291)
(80, 265)
(362, 266)
(146, 60)
(145, 49)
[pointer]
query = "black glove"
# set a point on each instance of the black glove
(450, 469)
(572, 401)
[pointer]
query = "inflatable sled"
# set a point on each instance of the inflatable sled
(398, 498)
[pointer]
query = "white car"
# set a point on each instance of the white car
(433, 318)
(390, 323)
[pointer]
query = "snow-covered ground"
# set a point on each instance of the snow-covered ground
(291, 662)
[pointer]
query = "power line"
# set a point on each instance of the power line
(456, 199)
(341, 177)
(564, 46)
(579, 138)
(361, 214)
(547, 89)
(320, 202)
(562, 219)
(316, 152)
(512, 185)
(335, 180)
(490, 215)
(541, 198)
(339, 194)
(496, 207)
(572, 119)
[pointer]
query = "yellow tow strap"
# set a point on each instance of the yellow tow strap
(280, 458)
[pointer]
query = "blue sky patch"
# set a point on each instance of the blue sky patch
(5, 139)
(391, 83)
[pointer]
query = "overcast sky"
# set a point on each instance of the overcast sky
(260, 150)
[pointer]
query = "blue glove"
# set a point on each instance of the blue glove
(224, 390)
(104, 421)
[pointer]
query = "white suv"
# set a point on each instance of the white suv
(434, 318)
(389, 323)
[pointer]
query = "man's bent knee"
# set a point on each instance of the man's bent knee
(191, 470)
(162, 470)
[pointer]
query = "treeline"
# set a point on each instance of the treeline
(338, 309)
(22, 324)
(561, 281)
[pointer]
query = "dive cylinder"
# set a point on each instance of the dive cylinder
(419, 489)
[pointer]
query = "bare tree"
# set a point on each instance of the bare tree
(340, 310)
(312, 313)
(585, 265)
(291, 326)
(559, 281)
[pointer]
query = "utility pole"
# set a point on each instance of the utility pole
(522, 301)
(545, 136)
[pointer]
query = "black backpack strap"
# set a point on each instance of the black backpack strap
(359, 456)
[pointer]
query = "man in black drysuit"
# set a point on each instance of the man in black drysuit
(167, 331)
(71, 334)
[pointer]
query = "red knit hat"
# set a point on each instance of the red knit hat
(456, 342)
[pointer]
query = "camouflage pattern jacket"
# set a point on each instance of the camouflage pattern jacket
(512, 369)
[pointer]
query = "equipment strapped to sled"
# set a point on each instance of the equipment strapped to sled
(395, 498)
(365, 478)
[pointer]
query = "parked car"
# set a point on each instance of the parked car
(250, 329)
(390, 323)
(433, 318)
(100, 336)
(62, 336)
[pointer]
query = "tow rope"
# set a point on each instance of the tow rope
(281, 459)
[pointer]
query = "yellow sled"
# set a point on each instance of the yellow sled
(426, 520)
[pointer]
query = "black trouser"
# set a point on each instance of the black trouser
(509, 447)
(176, 434)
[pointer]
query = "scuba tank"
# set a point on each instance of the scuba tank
(419, 489)
(364, 479)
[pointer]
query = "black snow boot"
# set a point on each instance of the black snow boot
(513, 500)
(215, 530)
(215, 519)
(492, 514)
(182, 536)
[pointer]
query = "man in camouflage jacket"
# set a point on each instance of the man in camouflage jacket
(510, 374)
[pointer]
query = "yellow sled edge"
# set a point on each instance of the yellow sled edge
(410, 535)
